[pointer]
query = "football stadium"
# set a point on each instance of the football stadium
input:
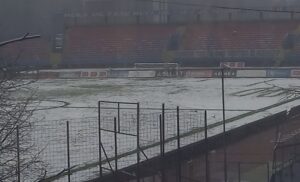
(150, 90)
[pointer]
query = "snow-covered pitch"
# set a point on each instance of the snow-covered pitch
(76, 101)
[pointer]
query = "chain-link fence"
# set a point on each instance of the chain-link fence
(286, 152)
(129, 143)
(123, 135)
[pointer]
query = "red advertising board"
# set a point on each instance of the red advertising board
(84, 74)
(295, 73)
(93, 74)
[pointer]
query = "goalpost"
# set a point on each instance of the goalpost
(157, 65)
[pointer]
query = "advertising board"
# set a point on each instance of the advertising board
(199, 73)
(251, 73)
(48, 75)
(295, 73)
(229, 73)
(69, 74)
(118, 74)
(141, 74)
(93, 74)
(279, 73)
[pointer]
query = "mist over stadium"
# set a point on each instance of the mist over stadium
(150, 90)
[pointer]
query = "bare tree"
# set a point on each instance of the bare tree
(19, 159)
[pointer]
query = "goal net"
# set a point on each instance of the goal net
(157, 65)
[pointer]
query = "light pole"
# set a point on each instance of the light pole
(224, 122)
(223, 66)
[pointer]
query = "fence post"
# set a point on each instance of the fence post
(116, 144)
(274, 165)
(18, 155)
(224, 126)
(161, 147)
(178, 145)
(207, 179)
(68, 152)
(138, 141)
(178, 128)
(163, 128)
(160, 136)
(119, 122)
(239, 171)
(99, 133)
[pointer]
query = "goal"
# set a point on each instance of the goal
(157, 65)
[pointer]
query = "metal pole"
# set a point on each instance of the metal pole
(68, 152)
(116, 144)
(163, 128)
(224, 127)
(178, 146)
(105, 154)
(178, 129)
(99, 132)
(207, 178)
(163, 142)
(274, 165)
(138, 141)
(161, 148)
(291, 172)
(160, 135)
(239, 172)
(18, 155)
(119, 124)
(294, 159)
(268, 168)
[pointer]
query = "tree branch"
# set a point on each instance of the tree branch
(25, 37)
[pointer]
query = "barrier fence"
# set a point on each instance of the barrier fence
(179, 72)
(286, 153)
(125, 137)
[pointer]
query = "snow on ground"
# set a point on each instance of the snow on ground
(76, 101)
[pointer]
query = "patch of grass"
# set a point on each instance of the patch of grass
(82, 90)
(65, 93)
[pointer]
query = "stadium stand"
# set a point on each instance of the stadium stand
(114, 45)
(239, 35)
(254, 42)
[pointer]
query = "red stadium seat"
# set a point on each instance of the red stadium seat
(123, 45)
